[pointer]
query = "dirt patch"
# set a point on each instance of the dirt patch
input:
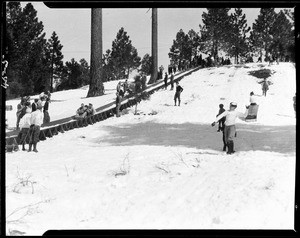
(261, 73)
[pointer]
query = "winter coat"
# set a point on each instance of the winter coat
(37, 118)
(231, 117)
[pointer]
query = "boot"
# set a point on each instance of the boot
(224, 147)
(230, 147)
(30, 146)
(34, 148)
(23, 147)
(179, 103)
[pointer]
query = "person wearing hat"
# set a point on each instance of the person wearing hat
(229, 129)
(36, 120)
(24, 126)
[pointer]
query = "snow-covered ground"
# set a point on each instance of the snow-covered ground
(163, 168)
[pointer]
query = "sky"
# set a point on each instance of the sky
(73, 27)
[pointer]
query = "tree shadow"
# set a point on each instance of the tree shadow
(281, 139)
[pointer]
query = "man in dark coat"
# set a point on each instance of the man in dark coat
(166, 80)
(179, 89)
(172, 81)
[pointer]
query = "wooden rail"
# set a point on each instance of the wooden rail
(102, 113)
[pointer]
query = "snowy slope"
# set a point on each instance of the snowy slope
(165, 170)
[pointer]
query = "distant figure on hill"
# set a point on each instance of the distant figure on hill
(172, 81)
(118, 104)
(166, 80)
(229, 129)
(265, 87)
(46, 110)
(179, 90)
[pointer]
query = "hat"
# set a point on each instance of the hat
(252, 93)
(233, 104)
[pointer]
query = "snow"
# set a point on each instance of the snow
(163, 171)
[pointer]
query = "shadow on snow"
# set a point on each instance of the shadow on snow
(281, 139)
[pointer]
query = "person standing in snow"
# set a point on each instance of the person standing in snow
(166, 80)
(229, 129)
(118, 104)
(36, 120)
(20, 106)
(222, 120)
(46, 108)
(24, 126)
(33, 105)
(179, 90)
(265, 87)
(172, 81)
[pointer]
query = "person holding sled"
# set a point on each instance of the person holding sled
(229, 129)
(179, 90)
(36, 120)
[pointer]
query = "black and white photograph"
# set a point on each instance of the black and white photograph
(163, 118)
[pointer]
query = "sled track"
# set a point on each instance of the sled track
(108, 110)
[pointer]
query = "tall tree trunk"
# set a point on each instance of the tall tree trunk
(96, 84)
(154, 47)
(52, 69)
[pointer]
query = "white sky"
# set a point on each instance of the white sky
(73, 27)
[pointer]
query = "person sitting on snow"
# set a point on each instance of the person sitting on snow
(81, 112)
(229, 129)
(91, 110)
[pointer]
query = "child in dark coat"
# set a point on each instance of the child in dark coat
(222, 121)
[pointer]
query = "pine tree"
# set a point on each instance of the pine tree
(96, 84)
(85, 72)
(146, 65)
(215, 28)
(237, 40)
(26, 49)
(282, 35)
(72, 76)
(261, 35)
(54, 58)
(123, 57)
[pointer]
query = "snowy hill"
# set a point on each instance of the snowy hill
(165, 167)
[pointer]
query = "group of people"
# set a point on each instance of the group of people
(44, 100)
(30, 124)
(84, 111)
(226, 120)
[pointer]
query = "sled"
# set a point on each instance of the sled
(252, 113)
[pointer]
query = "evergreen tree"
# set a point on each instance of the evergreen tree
(146, 65)
(194, 42)
(72, 76)
(237, 40)
(215, 28)
(123, 57)
(26, 50)
(85, 72)
(54, 58)
(261, 35)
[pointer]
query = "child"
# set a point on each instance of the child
(222, 120)
(229, 129)
(179, 89)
